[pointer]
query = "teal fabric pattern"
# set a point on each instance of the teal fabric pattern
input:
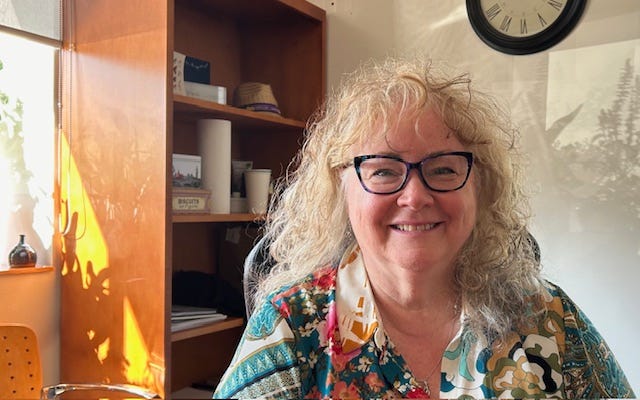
(322, 338)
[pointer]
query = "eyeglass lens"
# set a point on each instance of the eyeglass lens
(387, 175)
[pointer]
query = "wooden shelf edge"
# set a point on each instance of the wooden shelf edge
(307, 8)
(190, 218)
(229, 323)
(191, 105)
(31, 270)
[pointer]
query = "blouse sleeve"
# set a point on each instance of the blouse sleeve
(264, 364)
(590, 368)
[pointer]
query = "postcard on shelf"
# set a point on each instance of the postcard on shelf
(186, 170)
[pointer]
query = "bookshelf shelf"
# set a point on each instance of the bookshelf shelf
(191, 109)
(218, 326)
(193, 218)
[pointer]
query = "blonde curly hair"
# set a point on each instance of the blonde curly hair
(497, 272)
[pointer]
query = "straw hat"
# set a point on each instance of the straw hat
(256, 96)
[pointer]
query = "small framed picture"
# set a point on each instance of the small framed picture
(187, 171)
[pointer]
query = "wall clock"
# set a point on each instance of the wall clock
(523, 26)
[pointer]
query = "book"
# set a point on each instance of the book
(202, 91)
(187, 317)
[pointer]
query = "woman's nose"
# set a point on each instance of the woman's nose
(415, 193)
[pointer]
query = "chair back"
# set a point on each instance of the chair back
(257, 263)
(20, 369)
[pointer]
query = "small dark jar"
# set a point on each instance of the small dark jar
(23, 255)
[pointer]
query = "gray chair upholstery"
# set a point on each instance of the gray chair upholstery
(257, 263)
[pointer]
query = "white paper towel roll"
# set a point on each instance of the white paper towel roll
(214, 143)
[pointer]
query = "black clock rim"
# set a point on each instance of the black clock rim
(541, 41)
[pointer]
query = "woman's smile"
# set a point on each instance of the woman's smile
(414, 228)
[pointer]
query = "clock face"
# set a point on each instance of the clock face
(522, 18)
(523, 26)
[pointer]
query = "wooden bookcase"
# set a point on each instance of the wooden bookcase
(122, 123)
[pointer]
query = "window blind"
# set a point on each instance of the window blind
(39, 20)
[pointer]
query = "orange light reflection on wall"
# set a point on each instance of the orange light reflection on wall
(74, 199)
(139, 366)
(138, 362)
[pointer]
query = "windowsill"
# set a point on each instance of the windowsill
(33, 270)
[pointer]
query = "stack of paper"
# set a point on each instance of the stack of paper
(186, 317)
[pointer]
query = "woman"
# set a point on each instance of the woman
(404, 265)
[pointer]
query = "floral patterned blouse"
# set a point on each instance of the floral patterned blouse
(322, 338)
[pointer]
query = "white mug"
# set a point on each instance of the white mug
(257, 182)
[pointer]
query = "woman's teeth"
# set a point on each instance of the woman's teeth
(412, 228)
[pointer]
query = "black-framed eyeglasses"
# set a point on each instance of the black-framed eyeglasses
(384, 174)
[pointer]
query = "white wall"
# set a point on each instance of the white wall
(33, 299)
(587, 222)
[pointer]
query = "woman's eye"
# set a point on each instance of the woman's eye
(385, 173)
(445, 170)
(441, 171)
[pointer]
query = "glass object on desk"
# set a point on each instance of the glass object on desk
(22, 255)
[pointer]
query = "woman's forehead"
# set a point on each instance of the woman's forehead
(400, 135)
